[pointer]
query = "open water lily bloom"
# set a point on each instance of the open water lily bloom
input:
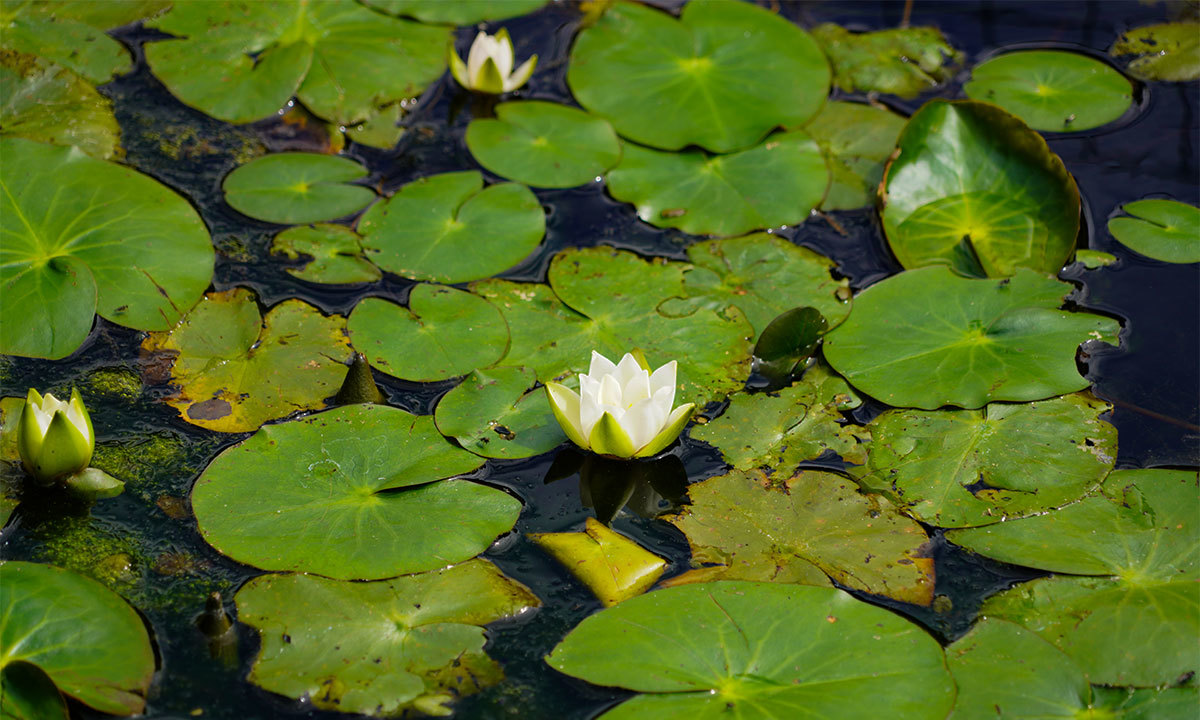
(622, 410)
(489, 65)
(54, 438)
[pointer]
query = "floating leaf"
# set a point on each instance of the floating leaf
(381, 129)
(236, 369)
(494, 413)
(856, 140)
(974, 188)
(614, 567)
(900, 61)
(1161, 229)
(721, 76)
(1137, 623)
(443, 333)
(457, 13)
(120, 244)
(758, 650)
(377, 648)
(289, 188)
(1093, 259)
(1169, 52)
(48, 103)
(27, 693)
(90, 643)
(927, 338)
(959, 468)
(450, 228)
(335, 252)
(353, 493)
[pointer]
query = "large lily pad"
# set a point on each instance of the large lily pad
(759, 651)
(450, 228)
(494, 413)
(443, 333)
(1169, 52)
(960, 468)
(335, 252)
(290, 188)
(457, 13)
(236, 369)
(812, 528)
(1161, 229)
(1136, 623)
(901, 61)
(927, 338)
(775, 183)
(721, 76)
(353, 493)
(975, 188)
(377, 648)
(243, 61)
(857, 140)
(48, 103)
(84, 637)
(80, 236)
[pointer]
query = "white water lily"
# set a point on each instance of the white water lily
(489, 65)
(621, 410)
(54, 438)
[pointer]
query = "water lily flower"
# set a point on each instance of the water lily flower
(489, 66)
(621, 410)
(54, 438)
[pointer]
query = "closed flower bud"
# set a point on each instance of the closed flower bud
(489, 65)
(54, 438)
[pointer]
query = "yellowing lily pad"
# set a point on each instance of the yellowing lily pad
(614, 567)
(495, 413)
(334, 252)
(1168, 52)
(290, 188)
(901, 61)
(1161, 229)
(48, 103)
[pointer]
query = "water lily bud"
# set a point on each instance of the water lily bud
(489, 65)
(54, 438)
(621, 410)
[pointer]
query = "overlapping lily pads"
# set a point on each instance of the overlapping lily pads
(975, 188)
(1161, 229)
(1169, 52)
(335, 254)
(857, 140)
(358, 492)
(80, 236)
(378, 648)
(457, 13)
(927, 338)
(289, 188)
(758, 650)
(721, 76)
(495, 413)
(48, 103)
(236, 369)
(900, 61)
(775, 183)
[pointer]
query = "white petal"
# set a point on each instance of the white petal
(637, 389)
(589, 386)
(640, 424)
(42, 418)
(590, 413)
(79, 421)
(664, 377)
(600, 366)
(480, 49)
(504, 57)
(610, 392)
(662, 400)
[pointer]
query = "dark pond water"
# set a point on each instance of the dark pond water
(1153, 379)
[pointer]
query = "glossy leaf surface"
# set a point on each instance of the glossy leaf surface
(293, 188)
(498, 413)
(1161, 229)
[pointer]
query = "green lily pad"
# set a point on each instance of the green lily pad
(1168, 52)
(778, 182)
(290, 188)
(117, 243)
(48, 103)
(1052, 89)
(778, 431)
(381, 129)
(856, 140)
(335, 250)
(544, 144)
(811, 528)
(243, 61)
(758, 651)
(1092, 259)
(721, 76)
(457, 13)
(236, 369)
(614, 567)
(960, 468)
(450, 228)
(900, 61)
(494, 413)
(1134, 624)
(975, 188)
(353, 493)
(377, 648)
(1161, 229)
(27, 693)
(443, 333)
(89, 641)
(12, 476)
(927, 338)
(788, 342)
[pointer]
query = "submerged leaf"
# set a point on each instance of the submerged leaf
(48, 103)
(1168, 52)
(901, 61)
(857, 140)
(614, 567)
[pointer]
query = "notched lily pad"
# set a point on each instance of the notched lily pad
(49, 103)
(334, 252)
(1168, 52)
(856, 140)
(900, 61)
(494, 413)
(614, 567)
(291, 188)
(1165, 230)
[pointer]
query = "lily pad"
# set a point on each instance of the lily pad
(84, 637)
(378, 648)
(975, 188)
(335, 252)
(450, 228)
(900, 61)
(786, 343)
(381, 129)
(443, 333)
(857, 140)
(544, 144)
(118, 243)
(1137, 621)
(48, 103)
(289, 188)
(960, 468)
(1052, 89)
(457, 13)
(1168, 52)
(1161, 229)
(812, 528)
(721, 76)
(614, 567)
(494, 413)
(243, 61)
(758, 651)
(236, 369)
(353, 493)
(27, 693)
(927, 338)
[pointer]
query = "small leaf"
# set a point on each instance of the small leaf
(614, 567)
(293, 188)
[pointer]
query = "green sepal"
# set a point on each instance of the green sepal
(609, 438)
(76, 402)
(29, 437)
(489, 80)
(524, 71)
(64, 450)
(458, 68)
(557, 394)
(667, 435)
(94, 484)
(641, 359)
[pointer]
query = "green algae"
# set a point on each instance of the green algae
(112, 383)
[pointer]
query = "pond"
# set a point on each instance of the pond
(844, 526)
